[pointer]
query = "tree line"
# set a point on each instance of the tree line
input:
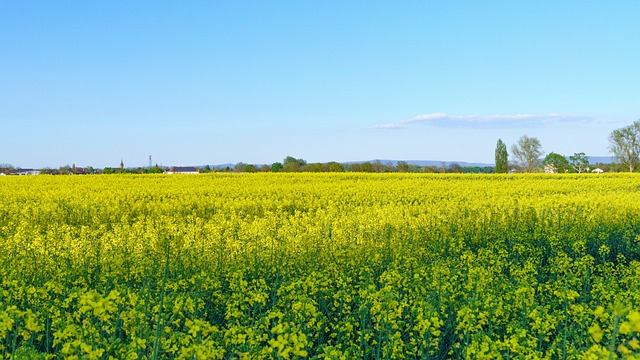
(292, 164)
(289, 164)
(624, 144)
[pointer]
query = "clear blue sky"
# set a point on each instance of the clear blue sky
(210, 82)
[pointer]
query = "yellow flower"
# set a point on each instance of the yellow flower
(596, 332)
(623, 350)
(625, 327)
(634, 319)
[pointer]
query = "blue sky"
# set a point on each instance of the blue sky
(210, 82)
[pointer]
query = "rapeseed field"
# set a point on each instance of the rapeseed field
(328, 266)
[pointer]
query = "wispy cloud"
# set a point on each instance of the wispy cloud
(391, 126)
(486, 121)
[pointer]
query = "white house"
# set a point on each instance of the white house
(28, 172)
(597, 171)
(183, 170)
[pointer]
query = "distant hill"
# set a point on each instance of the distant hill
(601, 159)
(392, 162)
(220, 166)
(437, 163)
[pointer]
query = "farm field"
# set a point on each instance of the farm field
(371, 266)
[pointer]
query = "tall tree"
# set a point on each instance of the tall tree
(579, 162)
(502, 158)
(624, 143)
(527, 152)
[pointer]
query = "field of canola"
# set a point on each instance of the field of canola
(332, 266)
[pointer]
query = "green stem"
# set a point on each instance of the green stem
(156, 345)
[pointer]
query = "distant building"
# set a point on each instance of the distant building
(183, 170)
(597, 171)
(28, 172)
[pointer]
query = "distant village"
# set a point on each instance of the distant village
(89, 170)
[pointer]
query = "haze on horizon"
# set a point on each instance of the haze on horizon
(206, 82)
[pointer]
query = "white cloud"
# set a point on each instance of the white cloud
(486, 121)
(390, 126)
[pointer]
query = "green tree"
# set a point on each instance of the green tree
(579, 162)
(557, 162)
(367, 167)
(315, 167)
(502, 158)
(156, 170)
(362, 167)
(291, 167)
(527, 152)
(65, 170)
(336, 167)
(291, 164)
(291, 159)
(276, 167)
(624, 143)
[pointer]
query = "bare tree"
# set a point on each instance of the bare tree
(625, 145)
(527, 152)
(7, 168)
